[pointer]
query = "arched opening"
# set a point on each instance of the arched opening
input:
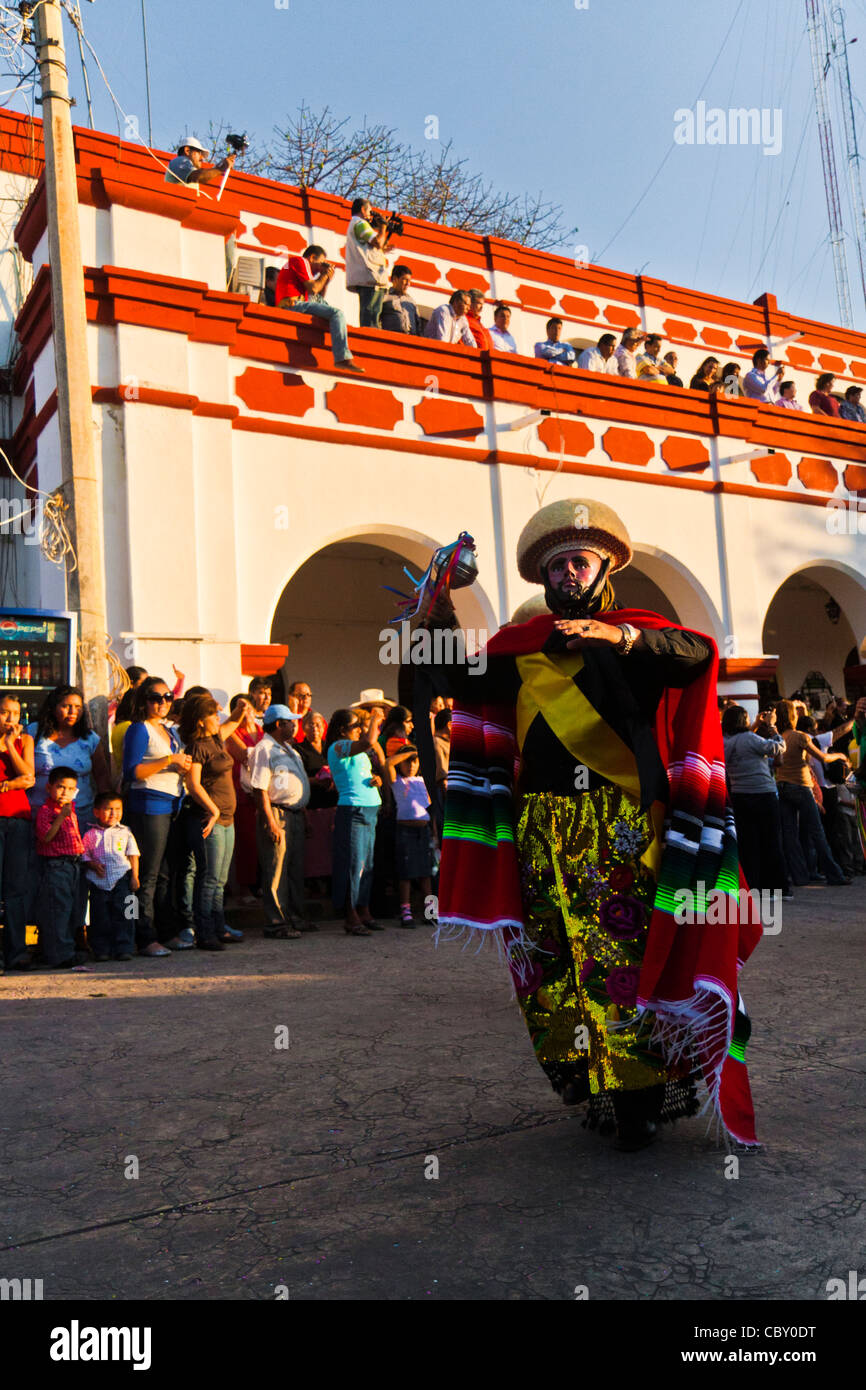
(634, 589)
(334, 607)
(816, 624)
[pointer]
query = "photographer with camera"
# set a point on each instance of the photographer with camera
(758, 384)
(188, 165)
(301, 286)
(367, 237)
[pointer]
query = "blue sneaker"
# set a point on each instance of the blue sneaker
(232, 933)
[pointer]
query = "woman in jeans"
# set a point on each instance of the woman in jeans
(153, 766)
(247, 734)
(355, 819)
(800, 814)
(754, 798)
(210, 819)
(16, 776)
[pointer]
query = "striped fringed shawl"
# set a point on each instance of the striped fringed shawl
(689, 974)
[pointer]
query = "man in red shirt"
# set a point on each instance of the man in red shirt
(473, 318)
(59, 845)
(301, 286)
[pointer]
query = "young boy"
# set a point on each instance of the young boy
(59, 846)
(111, 862)
(414, 852)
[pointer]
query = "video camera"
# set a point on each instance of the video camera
(238, 144)
(393, 223)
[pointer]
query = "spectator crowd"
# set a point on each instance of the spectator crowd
(385, 302)
(273, 806)
(265, 801)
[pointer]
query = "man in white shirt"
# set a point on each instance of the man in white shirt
(448, 322)
(787, 396)
(626, 353)
(600, 358)
(366, 262)
(758, 385)
(499, 334)
(278, 781)
(552, 349)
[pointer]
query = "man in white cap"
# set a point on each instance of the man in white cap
(586, 788)
(188, 165)
(281, 791)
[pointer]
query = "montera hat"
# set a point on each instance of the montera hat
(575, 523)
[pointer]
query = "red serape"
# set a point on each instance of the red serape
(689, 973)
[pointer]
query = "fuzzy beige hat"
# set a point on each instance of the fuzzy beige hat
(576, 523)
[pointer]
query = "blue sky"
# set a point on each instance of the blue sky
(538, 94)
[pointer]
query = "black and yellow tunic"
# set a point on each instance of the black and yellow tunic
(587, 837)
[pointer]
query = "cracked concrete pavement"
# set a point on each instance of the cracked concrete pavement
(304, 1166)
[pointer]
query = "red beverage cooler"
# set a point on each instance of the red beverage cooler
(37, 652)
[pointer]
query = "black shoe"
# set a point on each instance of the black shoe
(630, 1138)
(373, 926)
(210, 943)
(636, 1114)
(78, 958)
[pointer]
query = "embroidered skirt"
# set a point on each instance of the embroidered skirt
(587, 903)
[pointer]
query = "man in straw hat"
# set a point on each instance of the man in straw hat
(576, 862)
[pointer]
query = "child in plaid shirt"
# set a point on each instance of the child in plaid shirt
(111, 863)
(59, 846)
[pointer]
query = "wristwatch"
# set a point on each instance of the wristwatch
(629, 637)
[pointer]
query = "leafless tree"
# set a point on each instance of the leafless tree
(318, 149)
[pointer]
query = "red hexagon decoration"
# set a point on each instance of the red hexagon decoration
(277, 393)
(573, 436)
(628, 446)
(682, 453)
(818, 475)
(456, 419)
(364, 405)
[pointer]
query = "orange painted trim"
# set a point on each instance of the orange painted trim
(143, 395)
(262, 659)
(759, 668)
(101, 156)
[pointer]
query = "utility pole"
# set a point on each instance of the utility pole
(82, 480)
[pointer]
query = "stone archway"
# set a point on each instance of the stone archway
(813, 621)
(334, 606)
(659, 582)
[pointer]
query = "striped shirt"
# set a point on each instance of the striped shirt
(111, 846)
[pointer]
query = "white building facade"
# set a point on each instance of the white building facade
(256, 501)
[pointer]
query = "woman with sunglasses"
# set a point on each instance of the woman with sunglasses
(153, 766)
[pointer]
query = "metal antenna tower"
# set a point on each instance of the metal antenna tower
(819, 46)
(843, 76)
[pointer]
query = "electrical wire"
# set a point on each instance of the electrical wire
(768, 244)
(55, 541)
(672, 146)
(131, 121)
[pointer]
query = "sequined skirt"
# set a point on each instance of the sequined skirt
(587, 902)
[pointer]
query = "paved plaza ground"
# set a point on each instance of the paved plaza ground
(305, 1166)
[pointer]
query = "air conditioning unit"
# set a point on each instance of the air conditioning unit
(248, 276)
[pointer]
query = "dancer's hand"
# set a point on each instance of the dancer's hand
(588, 632)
